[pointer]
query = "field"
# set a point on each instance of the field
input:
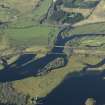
(23, 27)
(33, 17)
(24, 13)
(37, 36)
(88, 28)
(22, 6)
(97, 41)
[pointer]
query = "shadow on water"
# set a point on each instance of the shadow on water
(25, 58)
(77, 87)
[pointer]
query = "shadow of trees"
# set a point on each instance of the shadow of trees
(26, 66)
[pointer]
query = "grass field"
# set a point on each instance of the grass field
(33, 16)
(6, 14)
(24, 13)
(98, 41)
(42, 10)
(37, 36)
(88, 28)
(21, 5)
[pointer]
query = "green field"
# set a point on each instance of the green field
(98, 41)
(31, 36)
(24, 13)
(88, 28)
(33, 17)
